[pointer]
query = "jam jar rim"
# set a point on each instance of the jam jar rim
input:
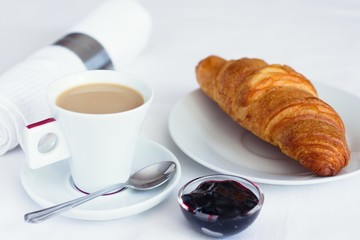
(260, 193)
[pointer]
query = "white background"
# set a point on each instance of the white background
(319, 38)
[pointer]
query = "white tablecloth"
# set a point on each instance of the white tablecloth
(319, 38)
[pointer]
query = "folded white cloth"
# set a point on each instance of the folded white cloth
(22, 91)
(120, 27)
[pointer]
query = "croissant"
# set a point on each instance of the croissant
(280, 106)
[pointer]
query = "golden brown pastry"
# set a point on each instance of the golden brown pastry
(281, 107)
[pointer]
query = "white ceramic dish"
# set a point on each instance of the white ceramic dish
(51, 185)
(207, 135)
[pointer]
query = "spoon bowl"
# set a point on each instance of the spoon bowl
(147, 178)
(151, 176)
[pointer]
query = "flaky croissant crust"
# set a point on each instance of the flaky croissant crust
(281, 107)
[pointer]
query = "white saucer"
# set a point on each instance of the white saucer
(210, 137)
(51, 185)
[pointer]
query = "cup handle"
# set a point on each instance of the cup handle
(44, 143)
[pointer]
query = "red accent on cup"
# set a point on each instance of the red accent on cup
(42, 122)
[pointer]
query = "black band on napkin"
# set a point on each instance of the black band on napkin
(89, 50)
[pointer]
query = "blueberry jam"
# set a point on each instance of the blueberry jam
(219, 208)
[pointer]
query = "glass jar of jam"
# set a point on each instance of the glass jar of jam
(220, 205)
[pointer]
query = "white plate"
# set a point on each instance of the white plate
(207, 135)
(51, 185)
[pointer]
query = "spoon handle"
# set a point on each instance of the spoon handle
(43, 214)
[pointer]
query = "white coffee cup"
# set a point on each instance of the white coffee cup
(101, 146)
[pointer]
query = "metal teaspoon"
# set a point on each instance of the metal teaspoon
(146, 178)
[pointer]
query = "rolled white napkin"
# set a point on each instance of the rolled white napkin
(22, 91)
(115, 32)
